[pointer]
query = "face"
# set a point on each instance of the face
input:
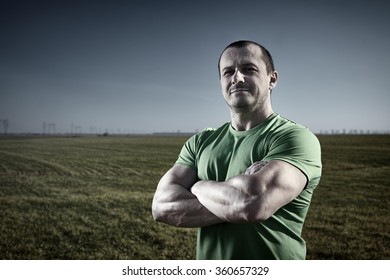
(244, 79)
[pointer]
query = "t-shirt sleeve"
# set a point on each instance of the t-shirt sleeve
(187, 154)
(301, 148)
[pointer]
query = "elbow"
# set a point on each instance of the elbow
(166, 218)
(156, 213)
(261, 215)
(156, 216)
(254, 211)
(257, 215)
(159, 216)
(162, 214)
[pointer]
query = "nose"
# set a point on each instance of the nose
(238, 77)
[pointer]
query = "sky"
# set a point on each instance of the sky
(151, 66)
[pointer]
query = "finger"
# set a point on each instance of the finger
(255, 167)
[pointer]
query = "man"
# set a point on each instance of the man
(247, 185)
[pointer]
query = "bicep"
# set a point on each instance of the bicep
(172, 190)
(282, 176)
(175, 184)
(275, 185)
(181, 175)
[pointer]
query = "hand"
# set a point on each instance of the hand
(255, 167)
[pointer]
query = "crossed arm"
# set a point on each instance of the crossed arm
(181, 200)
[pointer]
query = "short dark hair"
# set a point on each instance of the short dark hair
(267, 58)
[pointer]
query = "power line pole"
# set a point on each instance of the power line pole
(77, 129)
(51, 128)
(5, 125)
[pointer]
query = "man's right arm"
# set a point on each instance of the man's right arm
(174, 204)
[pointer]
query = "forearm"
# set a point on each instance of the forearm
(230, 201)
(235, 200)
(182, 210)
(185, 212)
(253, 196)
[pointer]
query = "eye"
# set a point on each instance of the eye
(250, 69)
(228, 72)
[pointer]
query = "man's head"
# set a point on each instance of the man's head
(266, 56)
(247, 76)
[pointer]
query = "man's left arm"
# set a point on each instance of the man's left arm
(253, 196)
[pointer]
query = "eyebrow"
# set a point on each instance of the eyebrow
(249, 64)
(246, 64)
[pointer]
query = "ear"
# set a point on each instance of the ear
(274, 80)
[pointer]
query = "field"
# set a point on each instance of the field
(90, 198)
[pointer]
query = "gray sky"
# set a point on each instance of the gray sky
(148, 66)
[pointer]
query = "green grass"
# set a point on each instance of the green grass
(349, 216)
(90, 198)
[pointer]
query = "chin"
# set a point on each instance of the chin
(239, 105)
(241, 101)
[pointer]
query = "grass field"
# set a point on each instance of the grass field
(90, 198)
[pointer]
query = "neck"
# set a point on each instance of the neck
(244, 120)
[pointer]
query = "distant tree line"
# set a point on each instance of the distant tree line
(353, 132)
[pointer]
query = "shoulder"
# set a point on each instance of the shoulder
(291, 142)
(194, 144)
(286, 130)
(207, 134)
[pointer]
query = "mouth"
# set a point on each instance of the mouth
(238, 90)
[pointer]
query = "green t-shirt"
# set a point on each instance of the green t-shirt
(224, 153)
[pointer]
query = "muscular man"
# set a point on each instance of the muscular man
(247, 185)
